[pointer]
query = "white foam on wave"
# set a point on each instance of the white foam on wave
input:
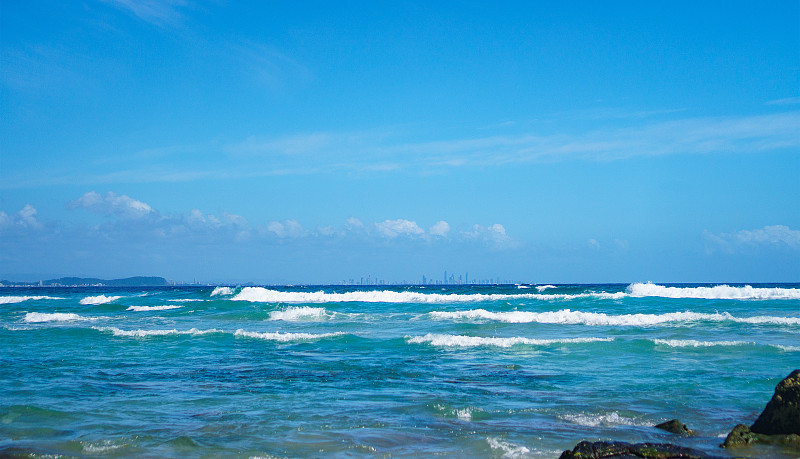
(145, 333)
(542, 288)
(507, 449)
(569, 317)
(20, 299)
(696, 343)
(473, 341)
(602, 420)
(302, 313)
(220, 291)
(263, 295)
(38, 317)
(99, 299)
(153, 308)
(188, 300)
(285, 337)
(717, 292)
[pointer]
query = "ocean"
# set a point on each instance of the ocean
(344, 371)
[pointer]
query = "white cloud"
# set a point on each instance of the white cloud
(775, 235)
(157, 12)
(111, 204)
(441, 228)
(494, 235)
(26, 218)
(286, 229)
(394, 228)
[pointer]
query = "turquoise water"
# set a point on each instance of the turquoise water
(491, 371)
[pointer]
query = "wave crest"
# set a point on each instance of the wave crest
(145, 333)
(38, 317)
(285, 337)
(20, 299)
(569, 317)
(473, 341)
(263, 295)
(220, 291)
(99, 299)
(153, 308)
(302, 313)
(717, 292)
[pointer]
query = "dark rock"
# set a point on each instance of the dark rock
(782, 413)
(675, 426)
(622, 450)
(742, 436)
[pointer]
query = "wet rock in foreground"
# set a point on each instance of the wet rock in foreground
(675, 426)
(782, 413)
(622, 450)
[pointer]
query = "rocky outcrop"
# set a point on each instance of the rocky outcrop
(622, 450)
(675, 426)
(782, 413)
(742, 436)
(778, 424)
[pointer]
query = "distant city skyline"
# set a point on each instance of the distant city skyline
(296, 143)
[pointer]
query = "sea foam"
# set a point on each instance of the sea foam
(36, 317)
(220, 291)
(99, 299)
(473, 341)
(263, 295)
(569, 317)
(302, 313)
(20, 299)
(285, 337)
(153, 308)
(717, 292)
(146, 333)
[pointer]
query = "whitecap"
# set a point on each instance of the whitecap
(717, 292)
(284, 337)
(153, 308)
(36, 317)
(99, 299)
(542, 288)
(696, 343)
(507, 449)
(263, 295)
(302, 313)
(220, 291)
(20, 299)
(473, 341)
(145, 333)
(602, 420)
(569, 317)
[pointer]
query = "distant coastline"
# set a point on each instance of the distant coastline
(137, 281)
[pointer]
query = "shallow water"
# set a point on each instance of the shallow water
(497, 371)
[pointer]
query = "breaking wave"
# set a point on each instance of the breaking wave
(302, 313)
(473, 341)
(569, 317)
(37, 317)
(99, 299)
(263, 295)
(717, 292)
(696, 343)
(219, 291)
(285, 337)
(20, 299)
(153, 308)
(603, 420)
(146, 333)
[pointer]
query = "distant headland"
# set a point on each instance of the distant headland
(138, 281)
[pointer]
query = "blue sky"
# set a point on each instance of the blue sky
(318, 142)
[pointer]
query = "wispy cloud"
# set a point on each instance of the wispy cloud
(393, 149)
(26, 219)
(158, 12)
(787, 101)
(777, 236)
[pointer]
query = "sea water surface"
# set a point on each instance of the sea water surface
(320, 371)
